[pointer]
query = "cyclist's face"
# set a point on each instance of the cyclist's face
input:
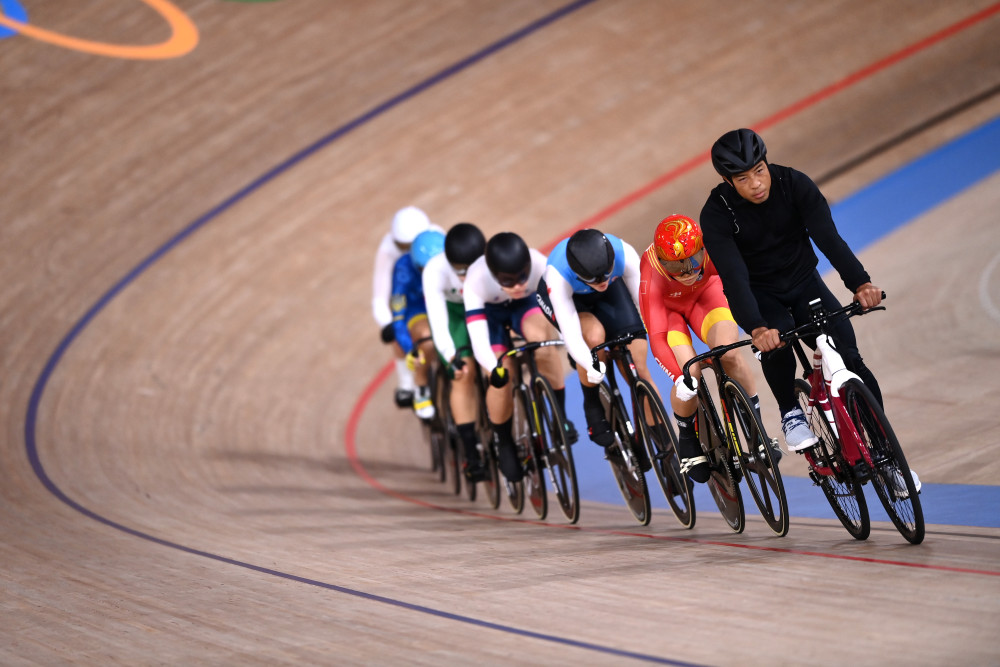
(515, 285)
(754, 185)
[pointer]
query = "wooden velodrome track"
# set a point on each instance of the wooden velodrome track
(200, 462)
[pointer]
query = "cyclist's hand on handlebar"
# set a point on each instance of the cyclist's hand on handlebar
(684, 392)
(387, 334)
(499, 377)
(868, 295)
(765, 339)
(457, 367)
(413, 358)
(595, 374)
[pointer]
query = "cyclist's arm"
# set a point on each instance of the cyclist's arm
(561, 296)
(818, 220)
(437, 306)
(720, 244)
(652, 307)
(385, 257)
(475, 317)
(402, 289)
(631, 276)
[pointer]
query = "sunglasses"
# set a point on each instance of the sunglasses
(513, 280)
(596, 280)
(683, 267)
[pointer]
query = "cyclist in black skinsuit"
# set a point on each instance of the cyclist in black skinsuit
(757, 226)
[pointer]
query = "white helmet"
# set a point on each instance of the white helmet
(407, 223)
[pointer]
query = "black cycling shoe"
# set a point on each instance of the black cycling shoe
(674, 491)
(404, 398)
(474, 472)
(571, 435)
(598, 428)
(510, 466)
(694, 463)
(642, 458)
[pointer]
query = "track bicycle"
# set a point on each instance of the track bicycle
(653, 443)
(856, 443)
(737, 446)
(540, 437)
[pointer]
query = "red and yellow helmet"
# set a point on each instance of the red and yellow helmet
(677, 237)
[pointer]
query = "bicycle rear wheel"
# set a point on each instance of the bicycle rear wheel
(557, 455)
(661, 444)
(760, 471)
(829, 470)
(631, 481)
(525, 438)
(491, 483)
(442, 415)
(890, 473)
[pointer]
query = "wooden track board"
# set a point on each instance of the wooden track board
(185, 333)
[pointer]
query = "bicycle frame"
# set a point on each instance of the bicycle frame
(619, 353)
(826, 376)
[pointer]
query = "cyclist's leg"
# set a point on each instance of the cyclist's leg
(779, 371)
(420, 332)
(404, 377)
(464, 394)
(500, 400)
(535, 324)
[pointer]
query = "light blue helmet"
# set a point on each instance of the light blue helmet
(426, 245)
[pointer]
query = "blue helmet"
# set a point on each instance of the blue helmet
(426, 245)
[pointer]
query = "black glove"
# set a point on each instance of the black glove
(458, 363)
(388, 334)
(499, 377)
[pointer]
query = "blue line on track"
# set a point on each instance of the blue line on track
(862, 219)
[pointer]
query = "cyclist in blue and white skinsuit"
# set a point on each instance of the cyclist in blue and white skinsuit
(590, 290)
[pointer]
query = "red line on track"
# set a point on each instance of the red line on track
(350, 430)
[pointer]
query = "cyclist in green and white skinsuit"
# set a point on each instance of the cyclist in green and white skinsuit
(443, 278)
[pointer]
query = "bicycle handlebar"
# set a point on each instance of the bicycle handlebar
(714, 353)
(527, 347)
(821, 319)
(624, 339)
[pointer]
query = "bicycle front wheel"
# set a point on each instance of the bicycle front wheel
(890, 473)
(661, 444)
(624, 466)
(557, 456)
(829, 470)
(753, 447)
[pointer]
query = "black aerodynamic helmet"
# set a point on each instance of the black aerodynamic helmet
(737, 151)
(508, 259)
(590, 255)
(464, 244)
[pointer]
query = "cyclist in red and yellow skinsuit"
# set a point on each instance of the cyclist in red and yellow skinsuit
(680, 291)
